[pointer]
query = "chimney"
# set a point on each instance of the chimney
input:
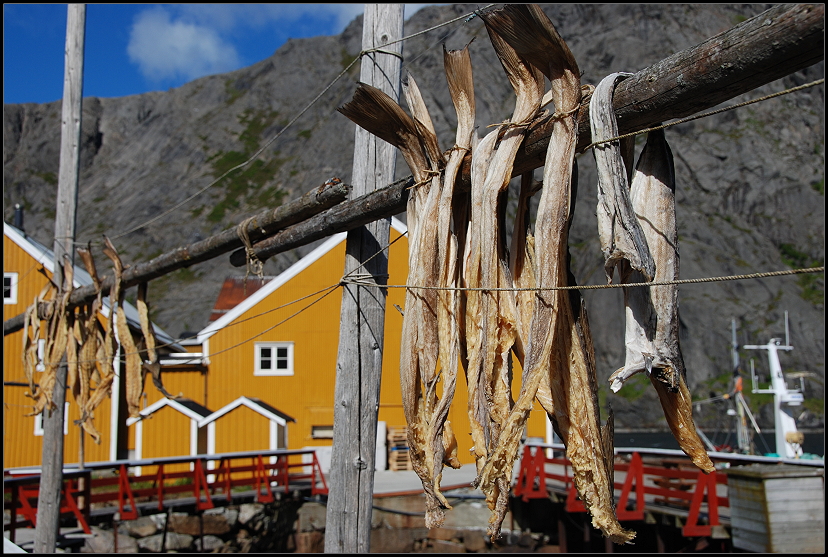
(18, 216)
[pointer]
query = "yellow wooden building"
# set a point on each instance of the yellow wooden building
(23, 260)
(259, 376)
(279, 346)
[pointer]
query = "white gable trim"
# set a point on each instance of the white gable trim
(242, 401)
(282, 279)
(44, 258)
(158, 404)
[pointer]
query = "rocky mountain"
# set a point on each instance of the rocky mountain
(750, 182)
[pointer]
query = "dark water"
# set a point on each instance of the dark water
(764, 443)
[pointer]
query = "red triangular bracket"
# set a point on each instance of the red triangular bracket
(635, 477)
(704, 483)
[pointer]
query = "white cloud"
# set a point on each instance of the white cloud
(164, 48)
(184, 41)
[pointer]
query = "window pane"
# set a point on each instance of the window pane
(265, 364)
(282, 352)
(281, 364)
(265, 352)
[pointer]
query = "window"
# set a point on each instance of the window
(41, 351)
(274, 358)
(38, 424)
(9, 288)
(322, 432)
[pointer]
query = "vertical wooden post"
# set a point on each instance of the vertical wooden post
(51, 481)
(362, 317)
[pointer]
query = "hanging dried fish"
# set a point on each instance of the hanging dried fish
(522, 264)
(374, 111)
(619, 231)
(652, 322)
(151, 363)
(559, 345)
(134, 376)
(57, 338)
(441, 445)
(32, 337)
(97, 350)
(498, 312)
(479, 421)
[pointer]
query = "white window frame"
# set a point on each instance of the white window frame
(12, 298)
(322, 432)
(41, 354)
(272, 371)
(38, 421)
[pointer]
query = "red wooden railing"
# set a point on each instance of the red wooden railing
(672, 482)
(23, 493)
(114, 485)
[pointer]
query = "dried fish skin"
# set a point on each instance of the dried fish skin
(551, 231)
(475, 377)
(440, 433)
(652, 326)
(575, 394)
(522, 265)
(619, 231)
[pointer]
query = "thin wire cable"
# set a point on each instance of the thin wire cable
(711, 113)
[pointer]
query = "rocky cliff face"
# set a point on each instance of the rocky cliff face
(750, 182)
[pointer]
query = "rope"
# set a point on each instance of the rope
(252, 260)
(359, 279)
(603, 286)
(711, 113)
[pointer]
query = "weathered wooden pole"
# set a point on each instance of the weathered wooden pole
(51, 476)
(362, 317)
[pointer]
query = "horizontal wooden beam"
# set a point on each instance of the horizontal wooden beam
(776, 43)
(386, 202)
(259, 226)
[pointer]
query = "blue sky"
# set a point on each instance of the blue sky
(135, 48)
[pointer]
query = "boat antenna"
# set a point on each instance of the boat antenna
(787, 331)
(734, 346)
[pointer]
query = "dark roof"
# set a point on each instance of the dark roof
(269, 408)
(194, 406)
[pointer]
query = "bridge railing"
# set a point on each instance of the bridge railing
(116, 485)
(671, 482)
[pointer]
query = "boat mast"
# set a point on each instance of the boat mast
(788, 439)
(743, 439)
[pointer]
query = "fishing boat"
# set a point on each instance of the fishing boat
(788, 440)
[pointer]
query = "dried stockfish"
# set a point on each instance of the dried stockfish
(498, 313)
(31, 339)
(134, 375)
(482, 153)
(441, 443)
(652, 322)
(97, 350)
(86, 334)
(619, 231)
(426, 441)
(559, 349)
(522, 264)
(151, 363)
(57, 338)
(374, 111)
